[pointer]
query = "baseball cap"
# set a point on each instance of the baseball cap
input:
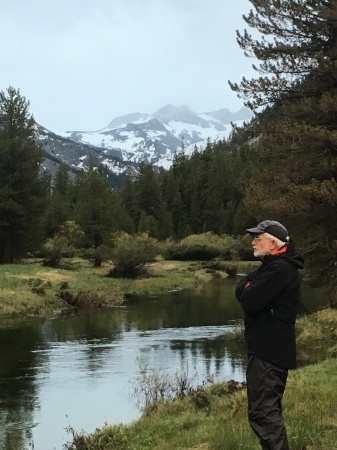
(272, 227)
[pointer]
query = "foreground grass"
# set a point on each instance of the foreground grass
(30, 289)
(213, 419)
(309, 410)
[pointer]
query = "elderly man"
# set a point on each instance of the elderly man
(270, 298)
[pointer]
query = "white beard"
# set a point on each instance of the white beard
(259, 254)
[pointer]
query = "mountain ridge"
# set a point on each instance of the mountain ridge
(135, 137)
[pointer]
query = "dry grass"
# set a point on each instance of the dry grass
(52, 276)
(162, 265)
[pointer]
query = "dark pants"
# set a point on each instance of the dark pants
(265, 387)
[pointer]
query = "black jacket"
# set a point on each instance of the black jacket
(270, 297)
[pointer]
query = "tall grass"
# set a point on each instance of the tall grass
(309, 410)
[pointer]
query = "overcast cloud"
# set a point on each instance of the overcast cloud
(81, 63)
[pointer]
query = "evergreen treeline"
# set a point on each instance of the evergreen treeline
(23, 195)
(196, 195)
(281, 165)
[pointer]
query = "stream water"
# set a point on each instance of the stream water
(79, 371)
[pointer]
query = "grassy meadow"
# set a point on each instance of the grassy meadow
(31, 289)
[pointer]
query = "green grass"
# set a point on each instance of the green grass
(245, 266)
(317, 336)
(164, 276)
(310, 414)
(32, 289)
(217, 420)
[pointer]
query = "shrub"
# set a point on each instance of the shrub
(72, 231)
(181, 252)
(55, 249)
(131, 253)
(63, 244)
(152, 386)
(202, 247)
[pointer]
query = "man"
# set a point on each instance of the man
(270, 297)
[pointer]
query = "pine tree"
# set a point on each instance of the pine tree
(59, 209)
(128, 199)
(93, 209)
(294, 177)
(297, 50)
(23, 194)
(148, 193)
(148, 224)
(201, 190)
(179, 216)
(214, 212)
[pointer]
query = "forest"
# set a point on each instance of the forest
(280, 166)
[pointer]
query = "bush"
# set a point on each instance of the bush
(152, 386)
(63, 244)
(199, 252)
(72, 231)
(202, 247)
(55, 249)
(131, 253)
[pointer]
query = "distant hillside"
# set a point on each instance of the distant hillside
(136, 137)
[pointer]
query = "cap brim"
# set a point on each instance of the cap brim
(254, 231)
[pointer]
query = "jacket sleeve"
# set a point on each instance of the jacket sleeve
(242, 284)
(264, 286)
(240, 287)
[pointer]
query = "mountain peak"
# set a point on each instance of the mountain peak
(127, 118)
(183, 114)
(167, 112)
(136, 137)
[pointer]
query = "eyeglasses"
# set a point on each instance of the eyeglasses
(258, 239)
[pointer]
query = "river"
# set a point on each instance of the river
(80, 371)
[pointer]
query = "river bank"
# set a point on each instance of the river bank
(215, 418)
(196, 421)
(30, 289)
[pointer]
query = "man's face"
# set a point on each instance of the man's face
(262, 245)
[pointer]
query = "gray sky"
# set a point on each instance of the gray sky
(81, 63)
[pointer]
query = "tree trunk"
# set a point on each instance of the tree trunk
(6, 253)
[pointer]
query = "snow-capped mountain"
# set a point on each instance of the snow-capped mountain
(58, 149)
(155, 138)
(128, 140)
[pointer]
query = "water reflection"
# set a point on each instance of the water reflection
(19, 365)
(77, 370)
